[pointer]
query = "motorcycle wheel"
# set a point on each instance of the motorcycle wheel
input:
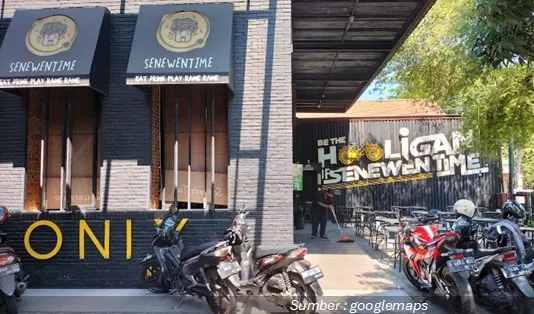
(148, 277)
(522, 304)
(410, 274)
(462, 298)
(525, 306)
(11, 304)
(215, 300)
(304, 293)
(217, 297)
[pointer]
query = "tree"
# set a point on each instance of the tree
(499, 109)
(504, 32)
(472, 57)
(504, 38)
(433, 64)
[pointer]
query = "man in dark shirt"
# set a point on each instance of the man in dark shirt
(320, 213)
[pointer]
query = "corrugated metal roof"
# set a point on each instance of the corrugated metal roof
(340, 46)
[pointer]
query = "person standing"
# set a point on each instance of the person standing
(320, 212)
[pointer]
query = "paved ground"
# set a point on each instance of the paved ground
(354, 277)
(358, 266)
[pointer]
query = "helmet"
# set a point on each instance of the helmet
(513, 208)
(464, 207)
(424, 234)
(464, 228)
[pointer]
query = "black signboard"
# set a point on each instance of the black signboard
(56, 48)
(182, 44)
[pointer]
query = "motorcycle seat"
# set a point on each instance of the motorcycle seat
(6, 250)
(487, 252)
(265, 250)
(190, 251)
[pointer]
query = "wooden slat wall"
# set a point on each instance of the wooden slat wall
(83, 102)
(200, 142)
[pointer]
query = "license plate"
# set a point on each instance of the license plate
(227, 269)
(312, 274)
(9, 269)
(463, 264)
(512, 271)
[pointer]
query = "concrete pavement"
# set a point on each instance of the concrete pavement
(359, 267)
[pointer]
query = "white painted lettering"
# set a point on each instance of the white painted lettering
(178, 63)
(42, 66)
(331, 156)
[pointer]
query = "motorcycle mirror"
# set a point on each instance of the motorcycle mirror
(172, 209)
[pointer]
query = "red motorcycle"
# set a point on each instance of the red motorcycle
(432, 261)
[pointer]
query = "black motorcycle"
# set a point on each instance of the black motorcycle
(280, 274)
(201, 271)
(497, 280)
(12, 280)
(507, 232)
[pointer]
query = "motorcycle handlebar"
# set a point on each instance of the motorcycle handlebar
(233, 236)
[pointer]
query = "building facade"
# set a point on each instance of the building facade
(113, 113)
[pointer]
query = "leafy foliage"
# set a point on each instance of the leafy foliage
(472, 57)
(528, 166)
(500, 109)
(504, 32)
(432, 64)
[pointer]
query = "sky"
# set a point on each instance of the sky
(374, 96)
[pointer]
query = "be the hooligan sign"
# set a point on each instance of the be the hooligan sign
(182, 44)
(50, 47)
(420, 158)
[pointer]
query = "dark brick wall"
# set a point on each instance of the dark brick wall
(66, 269)
(259, 130)
(12, 144)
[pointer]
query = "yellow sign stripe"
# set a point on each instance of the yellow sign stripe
(181, 224)
(346, 185)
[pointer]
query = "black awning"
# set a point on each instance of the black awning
(182, 44)
(56, 48)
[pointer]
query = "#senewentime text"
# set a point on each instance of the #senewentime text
(178, 63)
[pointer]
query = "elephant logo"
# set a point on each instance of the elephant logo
(183, 31)
(51, 35)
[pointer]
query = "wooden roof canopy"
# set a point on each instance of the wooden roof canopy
(339, 46)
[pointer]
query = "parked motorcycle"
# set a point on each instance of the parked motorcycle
(200, 271)
(433, 262)
(12, 280)
(498, 282)
(279, 273)
(507, 232)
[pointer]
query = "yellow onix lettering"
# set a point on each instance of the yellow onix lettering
(59, 239)
(128, 239)
(84, 228)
